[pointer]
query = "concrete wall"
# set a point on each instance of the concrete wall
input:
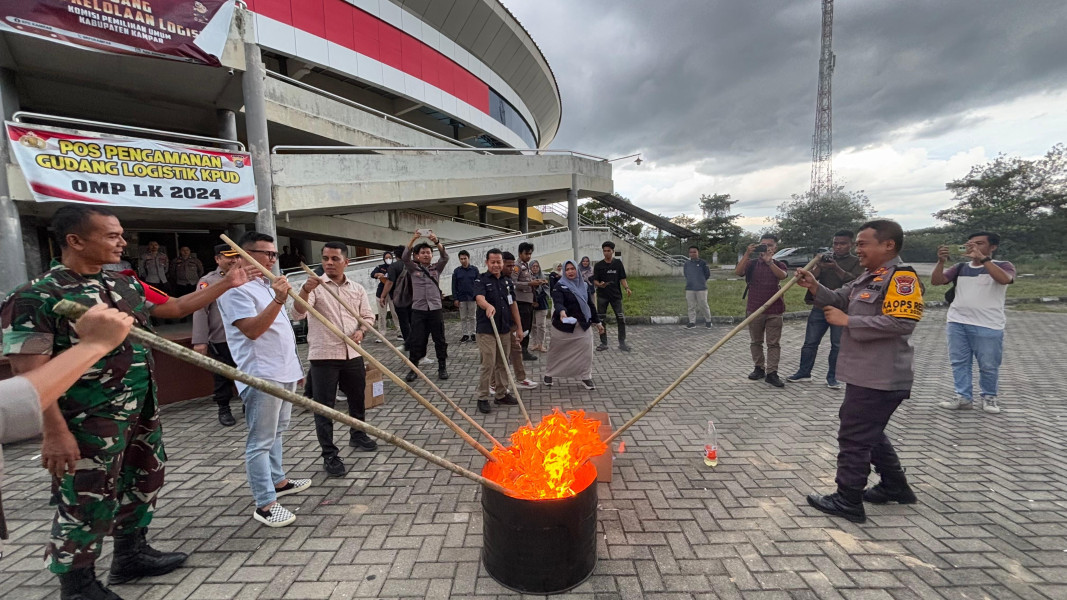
(374, 227)
(331, 183)
(306, 111)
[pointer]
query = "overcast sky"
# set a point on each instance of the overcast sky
(719, 95)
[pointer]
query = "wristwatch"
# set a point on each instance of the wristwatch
(985, 260)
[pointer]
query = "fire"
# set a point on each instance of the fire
(542, 461)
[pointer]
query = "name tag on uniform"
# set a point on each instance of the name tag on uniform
(510, 301)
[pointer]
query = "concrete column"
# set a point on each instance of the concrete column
(227, 125)
(252, 85)
(524, 216)
(483, 214)
(572, 215)
(13, 266)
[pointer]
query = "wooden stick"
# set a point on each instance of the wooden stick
(73, 310)
(366, 355)
(404, 358)
(670, 388)
(507, 367)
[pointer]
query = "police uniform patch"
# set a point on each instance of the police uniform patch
(203, 284)
(904, 298)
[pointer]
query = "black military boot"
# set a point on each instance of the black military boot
(225, 416)
(135, 558)
(892, 488)
(842, 503)
(82, 584)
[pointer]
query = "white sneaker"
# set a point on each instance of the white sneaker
(526, 384)
(276, 516)
(959, 403)
(989, 404)
(492, 392)
(425, 360)
(294, 486)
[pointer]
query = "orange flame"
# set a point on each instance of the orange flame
(542, 461)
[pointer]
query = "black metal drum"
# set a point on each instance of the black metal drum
(540, 546)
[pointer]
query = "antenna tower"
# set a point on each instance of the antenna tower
(822, 141)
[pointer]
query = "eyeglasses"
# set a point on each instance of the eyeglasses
(270, 254)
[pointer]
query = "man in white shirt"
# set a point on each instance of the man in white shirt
(263, 344)
(333, 363)
(975, 318)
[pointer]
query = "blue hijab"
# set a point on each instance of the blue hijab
(577, 286)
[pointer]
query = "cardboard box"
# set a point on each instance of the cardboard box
(605, 461)
(374, 393)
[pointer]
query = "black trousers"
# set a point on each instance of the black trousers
(403, 314)
(526, 310)
(328, 375)
(602, 311)
(425, 323)
(224, 389)
(861, 439)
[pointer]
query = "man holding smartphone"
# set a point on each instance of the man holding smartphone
(763, 273)
(833, 270)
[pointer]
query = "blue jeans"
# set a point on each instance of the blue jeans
(267, 418)
(816, 329)
(967, 343)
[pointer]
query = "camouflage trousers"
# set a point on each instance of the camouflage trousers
(114, 487)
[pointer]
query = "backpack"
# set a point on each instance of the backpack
(950, 293)
(748, 278)
(402, 293)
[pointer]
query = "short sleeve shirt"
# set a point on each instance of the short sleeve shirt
(500, 292)
(613, 273)
(271, 356)
(979, 298)
(117, 384)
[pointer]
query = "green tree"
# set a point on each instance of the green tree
(811, 221)
(599, 214)
(1024, 201)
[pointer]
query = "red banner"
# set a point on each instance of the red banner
(173, 29)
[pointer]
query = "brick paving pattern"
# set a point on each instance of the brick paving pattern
(991, 520)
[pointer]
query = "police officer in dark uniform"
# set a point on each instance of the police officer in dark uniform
(878, 311)
(209, 335)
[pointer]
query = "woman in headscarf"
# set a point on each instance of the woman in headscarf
(586, 270)
(537, 330)
(573, 312)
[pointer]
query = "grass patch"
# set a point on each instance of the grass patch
(1041, 307)
(665, 296)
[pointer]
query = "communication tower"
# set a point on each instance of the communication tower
(822, 140)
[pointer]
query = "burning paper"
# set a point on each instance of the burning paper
(542, 461)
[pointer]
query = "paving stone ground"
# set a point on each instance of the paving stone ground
(991, 522)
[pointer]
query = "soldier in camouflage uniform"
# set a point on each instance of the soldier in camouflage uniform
(103, 441)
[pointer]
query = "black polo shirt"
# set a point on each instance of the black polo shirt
(500, 292)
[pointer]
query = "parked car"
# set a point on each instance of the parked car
(798, 257)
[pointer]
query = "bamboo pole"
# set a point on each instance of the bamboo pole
(406, 360)
(670, 388)
(73, 310)
(507, 367)
(366, 355)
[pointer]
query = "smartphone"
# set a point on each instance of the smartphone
(424, 232)
(962, 249)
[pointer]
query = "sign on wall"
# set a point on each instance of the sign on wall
(173, 29)
(67, 166)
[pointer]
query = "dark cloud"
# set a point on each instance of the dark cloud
(731, 83)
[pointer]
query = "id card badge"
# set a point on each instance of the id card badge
(510, 301)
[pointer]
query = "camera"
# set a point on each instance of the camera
(761, 248)
(826, 258)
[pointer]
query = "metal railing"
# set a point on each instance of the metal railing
(463, 221)
(664, 257)
(384, 115)
(20, 115)
(427, 149)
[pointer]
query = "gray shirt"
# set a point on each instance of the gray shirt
(20, 418)
(207, 322)
(273, 355)
(425, 281)
(875, 348)
(696, 274)
(524, 292)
